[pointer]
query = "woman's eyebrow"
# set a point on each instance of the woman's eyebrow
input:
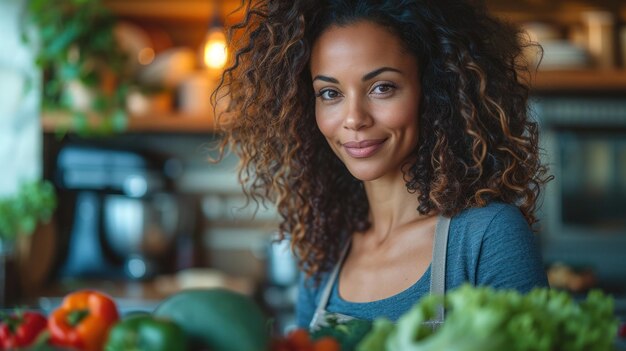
(326, 79)
(376, 72)
(366, 77)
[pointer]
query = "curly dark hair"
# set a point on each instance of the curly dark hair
(477, 142)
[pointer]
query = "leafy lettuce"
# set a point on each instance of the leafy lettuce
(481, 318)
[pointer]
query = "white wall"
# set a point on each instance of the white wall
(20, 130)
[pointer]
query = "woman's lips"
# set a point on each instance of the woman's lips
(363, 149)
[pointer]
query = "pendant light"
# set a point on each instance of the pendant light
(214, 50)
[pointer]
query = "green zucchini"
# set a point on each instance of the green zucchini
(218, 319)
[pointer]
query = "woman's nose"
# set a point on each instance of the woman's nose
(357, 116)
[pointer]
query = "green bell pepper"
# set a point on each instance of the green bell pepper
(146, 333)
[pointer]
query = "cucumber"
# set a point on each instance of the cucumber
(218, 319)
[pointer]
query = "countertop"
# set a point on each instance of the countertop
(134, 296)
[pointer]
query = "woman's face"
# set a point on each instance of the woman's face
(367, 98)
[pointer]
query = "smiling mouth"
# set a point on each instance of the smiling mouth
(363, 149)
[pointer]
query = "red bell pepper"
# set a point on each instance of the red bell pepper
(83, 320)
(21, 329)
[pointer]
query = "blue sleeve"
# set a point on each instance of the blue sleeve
(305, 304)
(510, 256)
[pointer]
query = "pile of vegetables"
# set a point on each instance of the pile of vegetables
(477, 318)
(203, 319)
(481, 318)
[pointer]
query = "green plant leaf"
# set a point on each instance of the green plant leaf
(77, 43)
(34, 202)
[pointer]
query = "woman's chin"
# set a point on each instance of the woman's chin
(365, 175)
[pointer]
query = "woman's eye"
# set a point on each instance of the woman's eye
(383, 88)
(328, 94)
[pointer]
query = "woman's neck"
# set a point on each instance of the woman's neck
(392, 207)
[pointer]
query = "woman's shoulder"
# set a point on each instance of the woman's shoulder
(500, 248)
(492, 216)
(491, 226)
(493, 207)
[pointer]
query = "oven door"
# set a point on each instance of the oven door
(583, 218)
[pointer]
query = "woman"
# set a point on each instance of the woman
(373, 125)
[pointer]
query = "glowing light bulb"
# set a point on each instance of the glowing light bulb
(215, 51)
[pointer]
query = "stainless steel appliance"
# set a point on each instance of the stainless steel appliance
(121, 219)
(140, 230)
(583, 220)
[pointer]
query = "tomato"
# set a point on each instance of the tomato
(21, 329)
(299, 339)
(326, 344)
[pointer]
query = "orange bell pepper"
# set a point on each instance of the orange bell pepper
(83, 320)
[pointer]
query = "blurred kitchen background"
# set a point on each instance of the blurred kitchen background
(115, 113)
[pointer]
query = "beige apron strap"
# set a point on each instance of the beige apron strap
(438, 268)
(320, 311)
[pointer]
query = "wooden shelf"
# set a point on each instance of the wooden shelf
(171, 123)
(580, 81)
(201, 10)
